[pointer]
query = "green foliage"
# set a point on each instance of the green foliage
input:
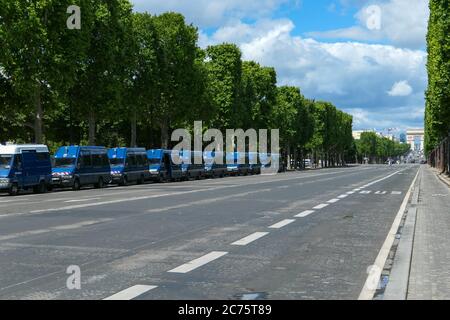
(437, 114)
(224, 66)
(379, 149)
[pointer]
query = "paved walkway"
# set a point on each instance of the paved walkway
(430, 265)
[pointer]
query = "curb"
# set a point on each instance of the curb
(397, 287)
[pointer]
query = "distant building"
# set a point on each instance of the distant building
(415, 138)
(403, 138)
(357, 133)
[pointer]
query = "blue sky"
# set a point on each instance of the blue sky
(367, 57)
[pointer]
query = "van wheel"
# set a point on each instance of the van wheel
(140, 180)
(100, 184)
(124, 181)
(76, 185)
(41, 188)
(14, 190)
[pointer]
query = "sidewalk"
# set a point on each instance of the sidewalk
(430, 265)
(421, 266)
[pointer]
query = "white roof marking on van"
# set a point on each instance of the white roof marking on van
(18, 148)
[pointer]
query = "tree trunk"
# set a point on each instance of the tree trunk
(133, 142)
(288, 152)
(38, 115)
(165, 133)
(92, 127)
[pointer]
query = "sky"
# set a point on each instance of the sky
(367, 57)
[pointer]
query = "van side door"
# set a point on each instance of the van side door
(30, 173)
(85, 167)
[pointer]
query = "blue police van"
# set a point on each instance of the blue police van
(128, 165)
(255, 163)
(162, 167)
(78, 166)
(234, 167)
(214, 168)
(24, 167)
(191, 169)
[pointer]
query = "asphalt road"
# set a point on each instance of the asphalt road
(303, 235)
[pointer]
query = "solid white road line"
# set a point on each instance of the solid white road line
(50, 229)
(131, 292)
(304, 214)
(371, 284)
(197, 263)
(321, 206)
(249, 239)
(282, 224)
(351, 192)
(333, 200)
(82, 200)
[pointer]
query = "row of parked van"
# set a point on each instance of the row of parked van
(24, 167)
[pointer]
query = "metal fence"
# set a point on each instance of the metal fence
(440, 157)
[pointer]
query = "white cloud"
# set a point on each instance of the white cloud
(352, 75)
(400, 89)
(403, 23)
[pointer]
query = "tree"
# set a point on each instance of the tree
(259, 90)
(437, 114)
(178, 44)
(35, 55)
(224, 80)
(141, 72)
(99, 86)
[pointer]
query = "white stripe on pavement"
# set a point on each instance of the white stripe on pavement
(343, 196)
(304, 214)
(131, 292)
(249, 239)
(82, 200)
(396, 192)
(282, 224)
(197, 263)
(321, 206)
(365, 192)
(333, 200)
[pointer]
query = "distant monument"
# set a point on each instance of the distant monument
(416, 138)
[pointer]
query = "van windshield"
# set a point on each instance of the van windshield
(154, 161)
(5, 161)
(64, 162)
(116, 161)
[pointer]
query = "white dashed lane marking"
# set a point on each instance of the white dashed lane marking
(304, 214)
(197, 263)
(333, 200)
(131, 292)
(249, 239)
(396, 192)
(282, 224)
(343, 196)
(321, 206)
